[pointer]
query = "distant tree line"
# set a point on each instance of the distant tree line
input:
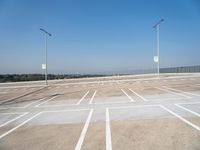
(37, 77)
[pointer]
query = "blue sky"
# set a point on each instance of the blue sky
(97, 36)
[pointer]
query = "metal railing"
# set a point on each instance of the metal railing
(180, 69)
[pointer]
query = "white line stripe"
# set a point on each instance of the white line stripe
(189, 103)
(135, 106)
(55, 111)
(181, 91)
(46, 101)
(16, 107)
(92, 97)
(144, 99)
(3, 92)
(127, 95)
(118, 102)
(13, 119)
(13, 129)
(179, 94)
(82, 98)
(14, 87)
(195, 113)
(181, 118)
(84, 131)
(108, 131)
(12, 113)
(33, 103)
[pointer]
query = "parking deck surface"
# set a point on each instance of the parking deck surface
(139, 112)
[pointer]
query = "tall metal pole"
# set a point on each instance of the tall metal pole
(158, 49)
(157, 26)
(46, 73)
(46, 59)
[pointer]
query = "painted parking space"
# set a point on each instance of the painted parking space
(111, 113)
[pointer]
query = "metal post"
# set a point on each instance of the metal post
(46, 59)
(46, 73)
(157, 26)
(158, 49)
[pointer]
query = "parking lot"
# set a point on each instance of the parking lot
(120, 112)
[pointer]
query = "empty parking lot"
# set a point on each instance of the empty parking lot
(119, 112)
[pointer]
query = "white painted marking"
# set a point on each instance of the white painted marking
(14, 87)
(33, 103)
(179, 94)
(181, 91)
(189, 103)
(12, 113)
(108, 131)
(3, 92)
(82, 98)
(144, 99)
(127, 95)
(195, 113)
(55, 111)
(84, 131)
(46, 101)
(135, 106)
(15, 107)
(118, 102)
(92, 97)
(181, 118)
(13, 129)
(13, 119)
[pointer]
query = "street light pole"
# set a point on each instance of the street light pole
(157, 26)
(46, 33)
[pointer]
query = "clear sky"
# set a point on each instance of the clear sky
(97, 36)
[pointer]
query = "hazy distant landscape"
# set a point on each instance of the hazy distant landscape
(37, 77)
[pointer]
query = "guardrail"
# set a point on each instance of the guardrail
(180, 69)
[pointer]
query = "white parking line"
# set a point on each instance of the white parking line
(135, 106)
(13, 119)
(118, 102)
(189, 103)
(195, 113)
(181, 91)
(144, 99)
(169, 91)
(3, 92)
(46, 101)
(90, 102)
(127, 95)
(181, 118)
(83, 133)
(65, 110)
(21, 107)
(82, 98)
(13, 129)
(108, 131)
